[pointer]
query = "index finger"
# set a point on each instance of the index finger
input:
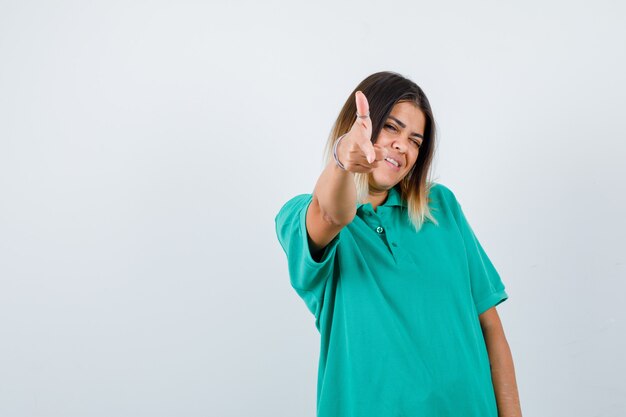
(368, 150)
(381, 152)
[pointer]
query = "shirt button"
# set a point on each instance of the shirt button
(394, 244)
(380, 229)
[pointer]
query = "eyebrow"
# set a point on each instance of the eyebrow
(402, 125)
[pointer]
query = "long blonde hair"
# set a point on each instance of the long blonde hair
(383, 90)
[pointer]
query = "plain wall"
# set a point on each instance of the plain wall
(145, 148)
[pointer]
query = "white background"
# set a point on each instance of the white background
(145, 148)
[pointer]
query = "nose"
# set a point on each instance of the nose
(400, 146)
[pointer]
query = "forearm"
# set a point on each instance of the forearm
(502, 373)
(335, 192)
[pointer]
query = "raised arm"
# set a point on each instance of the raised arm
(334, 196)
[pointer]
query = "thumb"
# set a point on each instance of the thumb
(362, 105)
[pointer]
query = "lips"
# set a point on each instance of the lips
(392, 166)
(397, 157)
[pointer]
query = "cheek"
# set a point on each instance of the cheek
(383, 138)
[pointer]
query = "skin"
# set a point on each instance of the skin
(502, 368)
(401, 141)
(401, 136)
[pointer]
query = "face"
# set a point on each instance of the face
(402, 134)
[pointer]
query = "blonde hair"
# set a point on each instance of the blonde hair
(383, 90)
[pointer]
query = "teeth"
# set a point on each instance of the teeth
(393, 161)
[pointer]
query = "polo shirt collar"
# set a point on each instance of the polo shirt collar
(393, 199)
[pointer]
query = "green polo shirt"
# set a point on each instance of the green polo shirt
(397, 310)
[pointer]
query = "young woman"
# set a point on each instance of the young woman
(402, 291)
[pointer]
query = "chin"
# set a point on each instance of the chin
(385, 181)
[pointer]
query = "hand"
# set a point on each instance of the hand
(356, 151)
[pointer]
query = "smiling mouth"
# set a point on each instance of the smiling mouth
(393, 161)
(392, 165)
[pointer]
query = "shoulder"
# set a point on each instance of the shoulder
(296, 200)
(441, 191)
(293, 205)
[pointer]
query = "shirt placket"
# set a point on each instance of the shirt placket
(379, 222)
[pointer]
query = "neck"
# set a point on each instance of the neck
(376, 198)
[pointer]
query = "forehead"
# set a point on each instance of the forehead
(411, 115)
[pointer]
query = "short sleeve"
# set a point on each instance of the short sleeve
(487, 287)
(307, 275)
